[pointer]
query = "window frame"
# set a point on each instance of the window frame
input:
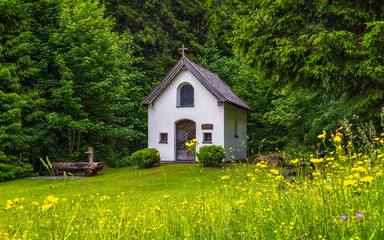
(162, 139)
(179, 95)
(205, 139)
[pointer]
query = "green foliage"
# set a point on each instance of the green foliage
(113, 157)
(48, 166)
(330, 47)
(20, 106)
(146, 157)
(211, 156)
(96, 80)
(124, 162)
(159, 28)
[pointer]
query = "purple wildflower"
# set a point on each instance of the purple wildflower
(343, 217)
(359, 215)
(303, 235)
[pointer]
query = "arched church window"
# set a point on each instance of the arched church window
(187, 96)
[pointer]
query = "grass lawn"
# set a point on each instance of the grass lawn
(140, 186)
(180, 180)
(343, 199)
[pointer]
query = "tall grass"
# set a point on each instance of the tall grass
(341, 199)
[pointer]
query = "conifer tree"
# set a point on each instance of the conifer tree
(332, 46)
(20, 105)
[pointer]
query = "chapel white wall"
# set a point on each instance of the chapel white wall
(236, 147)
(164, 114)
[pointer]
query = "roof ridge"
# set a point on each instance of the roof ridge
(212, 89)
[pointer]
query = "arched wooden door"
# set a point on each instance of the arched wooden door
(185, 132)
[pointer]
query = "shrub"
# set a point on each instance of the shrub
(211, 156)
(125, 162)
(146, 157)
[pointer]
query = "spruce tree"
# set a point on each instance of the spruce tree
(334, 47)
(20, 105)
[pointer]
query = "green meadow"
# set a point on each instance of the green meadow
(341, 197)
(182, 180)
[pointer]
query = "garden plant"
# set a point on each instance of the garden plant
(146, 157)
(209, 155)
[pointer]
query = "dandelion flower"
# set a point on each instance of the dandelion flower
(322, 135)
(295, 161)
(367, 179)
(223, 178)
(349, 182)
(52, 199)
(337, 139)
(46, 207)
(317, 160)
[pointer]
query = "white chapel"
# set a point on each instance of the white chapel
(192, 102)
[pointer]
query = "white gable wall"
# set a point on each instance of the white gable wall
(236, 147)
(164, 114)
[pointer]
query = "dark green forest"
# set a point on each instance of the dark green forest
(73, 72)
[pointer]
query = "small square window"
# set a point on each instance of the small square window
(207, 138)
(163, 137)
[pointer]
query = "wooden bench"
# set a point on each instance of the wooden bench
(90, 168)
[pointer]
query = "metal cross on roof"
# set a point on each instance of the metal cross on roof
(182, 49)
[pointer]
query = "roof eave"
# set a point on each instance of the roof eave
(247, 108)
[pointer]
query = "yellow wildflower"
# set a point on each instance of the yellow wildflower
(274, 171)
(223, 178)
(295, 161)
(349, 183)
(337, 139)
(316, 160)
(9, 205)
(322, 135)
(52, 199)
(46, 207)
(239, 202)
(367, 179)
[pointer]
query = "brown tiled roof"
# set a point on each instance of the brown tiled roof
(210, 80)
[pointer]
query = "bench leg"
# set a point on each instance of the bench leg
(89, 172)
(58, 172)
